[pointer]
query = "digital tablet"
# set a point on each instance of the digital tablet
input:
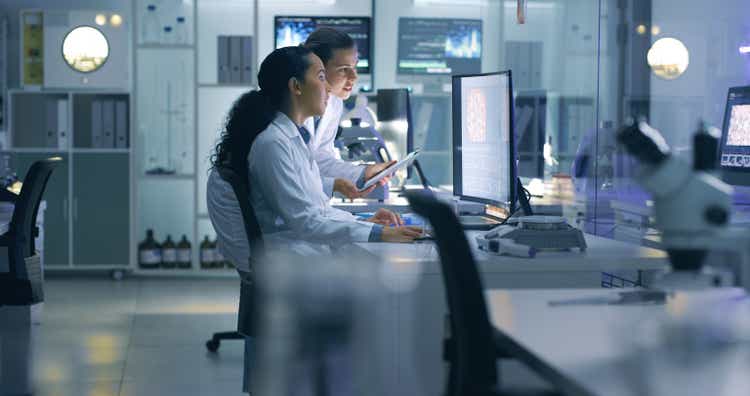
(389, 171)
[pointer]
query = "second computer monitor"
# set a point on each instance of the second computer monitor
(484, 167)
(439, 46)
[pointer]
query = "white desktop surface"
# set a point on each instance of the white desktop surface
(589, 347)
(419, 307)
(602, 255)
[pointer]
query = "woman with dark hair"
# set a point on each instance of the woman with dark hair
(265, 141)
(338, 51)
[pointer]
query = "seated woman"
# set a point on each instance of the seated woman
(265, 141)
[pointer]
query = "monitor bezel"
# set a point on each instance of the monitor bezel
(732, 175)
(314, 17)
(418, 74)
(458, 136)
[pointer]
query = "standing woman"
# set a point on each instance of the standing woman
(338, 52)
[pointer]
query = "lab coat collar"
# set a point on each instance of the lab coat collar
(287, 126)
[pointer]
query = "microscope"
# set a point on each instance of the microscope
(691, 206)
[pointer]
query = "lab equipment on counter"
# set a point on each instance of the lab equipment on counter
(527, 235)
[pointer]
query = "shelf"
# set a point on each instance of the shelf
(249, 86)
(34, 150)
(65, 91)
(199, 273)
(101, 150)
(168, 177)
(166, 46)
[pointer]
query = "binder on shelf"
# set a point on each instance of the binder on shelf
(62, 124)
(108, 124)
(96, 123)
(246, 76)
(50, 131)
(223, 59)
(235, 59)
(121, 124)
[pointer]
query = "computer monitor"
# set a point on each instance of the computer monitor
(434, 46)
(293, 30)
(734, 151)
(484, 160)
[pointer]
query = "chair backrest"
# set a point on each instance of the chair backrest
(23, 223)
(474, 365)
(241, 189)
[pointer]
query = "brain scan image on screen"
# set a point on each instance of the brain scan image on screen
(476, 116)
(738, 133)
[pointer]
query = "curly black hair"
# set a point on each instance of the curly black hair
(252, 112)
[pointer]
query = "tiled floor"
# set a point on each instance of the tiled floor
(136, 337)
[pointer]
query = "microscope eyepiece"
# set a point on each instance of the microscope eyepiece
(643, 142)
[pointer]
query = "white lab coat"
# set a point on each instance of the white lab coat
(321, 145)
(287, 195)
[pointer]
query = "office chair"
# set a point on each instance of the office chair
(257, 247)
(473, 345)
(22, 285)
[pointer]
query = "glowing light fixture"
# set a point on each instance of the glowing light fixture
(640, 29)
(100, 19)
(655, 30)
(668, 58)
(115, 20)
(745, 49)
(85, 49)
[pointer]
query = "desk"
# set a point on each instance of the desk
(586, 349)
(420, 305)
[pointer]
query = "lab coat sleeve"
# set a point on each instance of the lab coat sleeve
(328, 159)
(273, 171)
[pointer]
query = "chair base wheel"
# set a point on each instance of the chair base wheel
(213, 345)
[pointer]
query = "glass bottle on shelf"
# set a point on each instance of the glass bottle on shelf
(168, 253)
(149, 252)
(221, 261)
(150, 29)
(184, 256)
(180, 31)
(207, 253)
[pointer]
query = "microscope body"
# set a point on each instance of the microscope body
(691, 206)
(687, 203)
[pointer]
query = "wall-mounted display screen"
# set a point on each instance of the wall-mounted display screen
(293, 30)
(439, 46)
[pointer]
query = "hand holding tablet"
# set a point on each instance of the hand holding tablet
(387, 172)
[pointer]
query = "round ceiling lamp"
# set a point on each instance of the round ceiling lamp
(668, 58)
(85, 49)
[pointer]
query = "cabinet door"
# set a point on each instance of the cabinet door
(56, 216)
(101, 209)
